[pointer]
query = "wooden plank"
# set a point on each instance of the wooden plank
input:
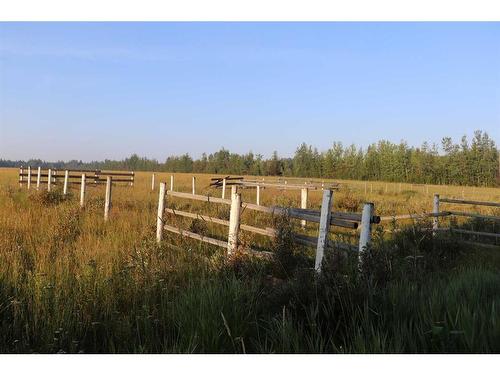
(324, 226)
(365, 235)
(476, 203)
(265, 232)
(295, 213)
(435, 211)
(38, 178)
(29, 177)
(82, 190)
(195, 236)
(471, 232)
(193, 185)
(153, 182)
(49, 179)
(313, 242)
(228, 178)
(198, 216)
(204, 198)
(303, 203)
(343, 223)
(480, 244)
(234, 221)
(107, 201)
(224, 188)
(279, 186)
(467, 214)
(65, 187)
(415, 216)
(105, 173)
(161, 209)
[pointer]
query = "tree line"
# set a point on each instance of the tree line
(474, 162)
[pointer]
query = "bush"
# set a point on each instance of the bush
(348, 201)
(48, 198)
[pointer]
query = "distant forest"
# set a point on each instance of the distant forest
(471, 162)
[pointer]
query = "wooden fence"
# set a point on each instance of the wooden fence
(259, 185)
(76, 176)
(438, 213)
(325, 217)
(49, 177)
(436, 210)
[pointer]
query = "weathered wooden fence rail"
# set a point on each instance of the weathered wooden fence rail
(325, 217)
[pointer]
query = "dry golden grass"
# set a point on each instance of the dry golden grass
(63, 267)
(85, 236)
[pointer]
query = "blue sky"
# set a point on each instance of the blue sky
(105, 90)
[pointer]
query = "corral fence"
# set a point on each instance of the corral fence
(82, 177)
(471, 233)
(325, 217)
(438, 213)
(259, 185)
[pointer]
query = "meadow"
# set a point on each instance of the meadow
(72, 283)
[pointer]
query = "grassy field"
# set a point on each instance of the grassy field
(70, 282)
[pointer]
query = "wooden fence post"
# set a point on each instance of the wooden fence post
(161, 209)
(38, 176)
(324, 227)
(194, 185)
(234, 221)
(132, 179)
(224, 188)
(258, 195)
(66, 178)
(435, 210)
(49, 179)
(107, 202)
(21, 176)
(172, 182)
(303, 203)
(153, 182)
(82, 190)
(29, 177)
(366, 228)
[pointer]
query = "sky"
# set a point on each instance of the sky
(91, 91)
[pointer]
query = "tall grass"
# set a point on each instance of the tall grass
(70, 282)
